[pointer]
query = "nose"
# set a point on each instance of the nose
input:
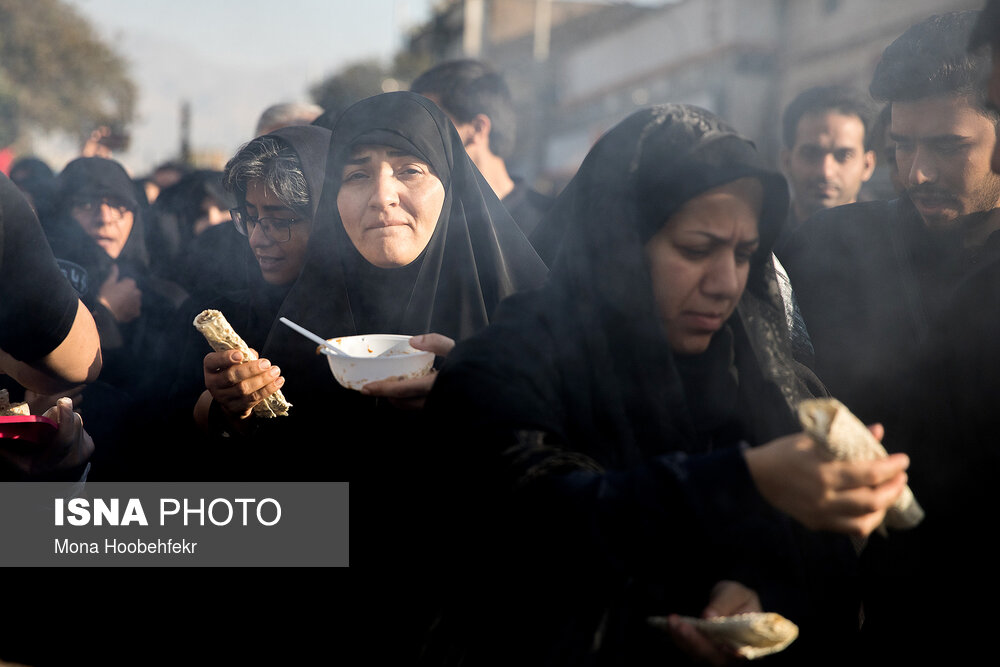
(722, 279)
(922, 169)
(829, 167)
(258, 239)
(108, 214)
(384, 191)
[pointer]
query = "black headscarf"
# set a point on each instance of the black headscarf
(600, 297)
(476, 255)
(95, 177)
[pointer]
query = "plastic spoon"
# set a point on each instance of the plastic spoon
(327, 347)
(398, 347)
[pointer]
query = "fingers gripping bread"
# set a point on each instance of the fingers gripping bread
(222, 337)
(832, 425)
(752, 635)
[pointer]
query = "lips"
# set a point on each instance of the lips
(269, 263)
(383, 224)
(933, 204)
(704, 321)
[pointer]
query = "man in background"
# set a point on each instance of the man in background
(884, 290)
(478, 101)
(286, 114)
(828, 154)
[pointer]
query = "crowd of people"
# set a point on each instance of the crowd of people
(610, 433)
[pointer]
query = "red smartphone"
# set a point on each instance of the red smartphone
(30, 428)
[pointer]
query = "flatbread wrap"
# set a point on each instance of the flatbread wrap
(845, 438)
(751, 635)
(222, 337)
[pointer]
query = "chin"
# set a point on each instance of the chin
(389, 258)
(691, 345)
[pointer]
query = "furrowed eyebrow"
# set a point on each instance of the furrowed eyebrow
(937, 139)
(719, 239)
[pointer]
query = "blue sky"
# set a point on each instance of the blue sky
(232, 58)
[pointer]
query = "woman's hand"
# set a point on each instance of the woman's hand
(71, 446)
(727, 598)
(122, 297)
(794, 475)
(237, 384)
(39, 403)
(411, 393)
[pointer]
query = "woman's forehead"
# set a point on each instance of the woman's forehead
(368, 150)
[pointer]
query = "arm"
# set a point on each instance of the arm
(76, 360)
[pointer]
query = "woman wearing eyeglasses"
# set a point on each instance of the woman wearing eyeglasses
(276, 180)
(97, 234)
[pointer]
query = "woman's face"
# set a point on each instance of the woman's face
(390, 203)
(107, 220)
(212, 213)
(280, 260)
(699, 262)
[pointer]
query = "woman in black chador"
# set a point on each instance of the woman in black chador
(408, 238)
(98, 238)
(620, 441)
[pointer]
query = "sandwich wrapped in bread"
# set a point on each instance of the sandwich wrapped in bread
(751, 635)
(222, 337)
(845, 438)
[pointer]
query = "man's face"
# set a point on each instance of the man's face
(828, 162)
(944, 147)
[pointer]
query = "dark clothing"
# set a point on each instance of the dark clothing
(115, 407)
(602, 479)
(39, 305)
(950, 428)
(787, 232)
(526, 205)
(172, 230)
(251, 306)
(217, 261)
(870, 278)
(899, 342)
(475, 257)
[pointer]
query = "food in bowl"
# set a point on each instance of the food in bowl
(364, 364)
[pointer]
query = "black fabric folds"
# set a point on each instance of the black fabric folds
(602, 480)
(475, 257)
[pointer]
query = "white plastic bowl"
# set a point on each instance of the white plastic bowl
(364, 365)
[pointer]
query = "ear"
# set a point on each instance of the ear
(869, 159)
(481, 126)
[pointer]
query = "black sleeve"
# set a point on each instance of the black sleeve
(38, 305)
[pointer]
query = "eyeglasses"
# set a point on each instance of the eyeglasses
(278, 230)
(93, 205)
